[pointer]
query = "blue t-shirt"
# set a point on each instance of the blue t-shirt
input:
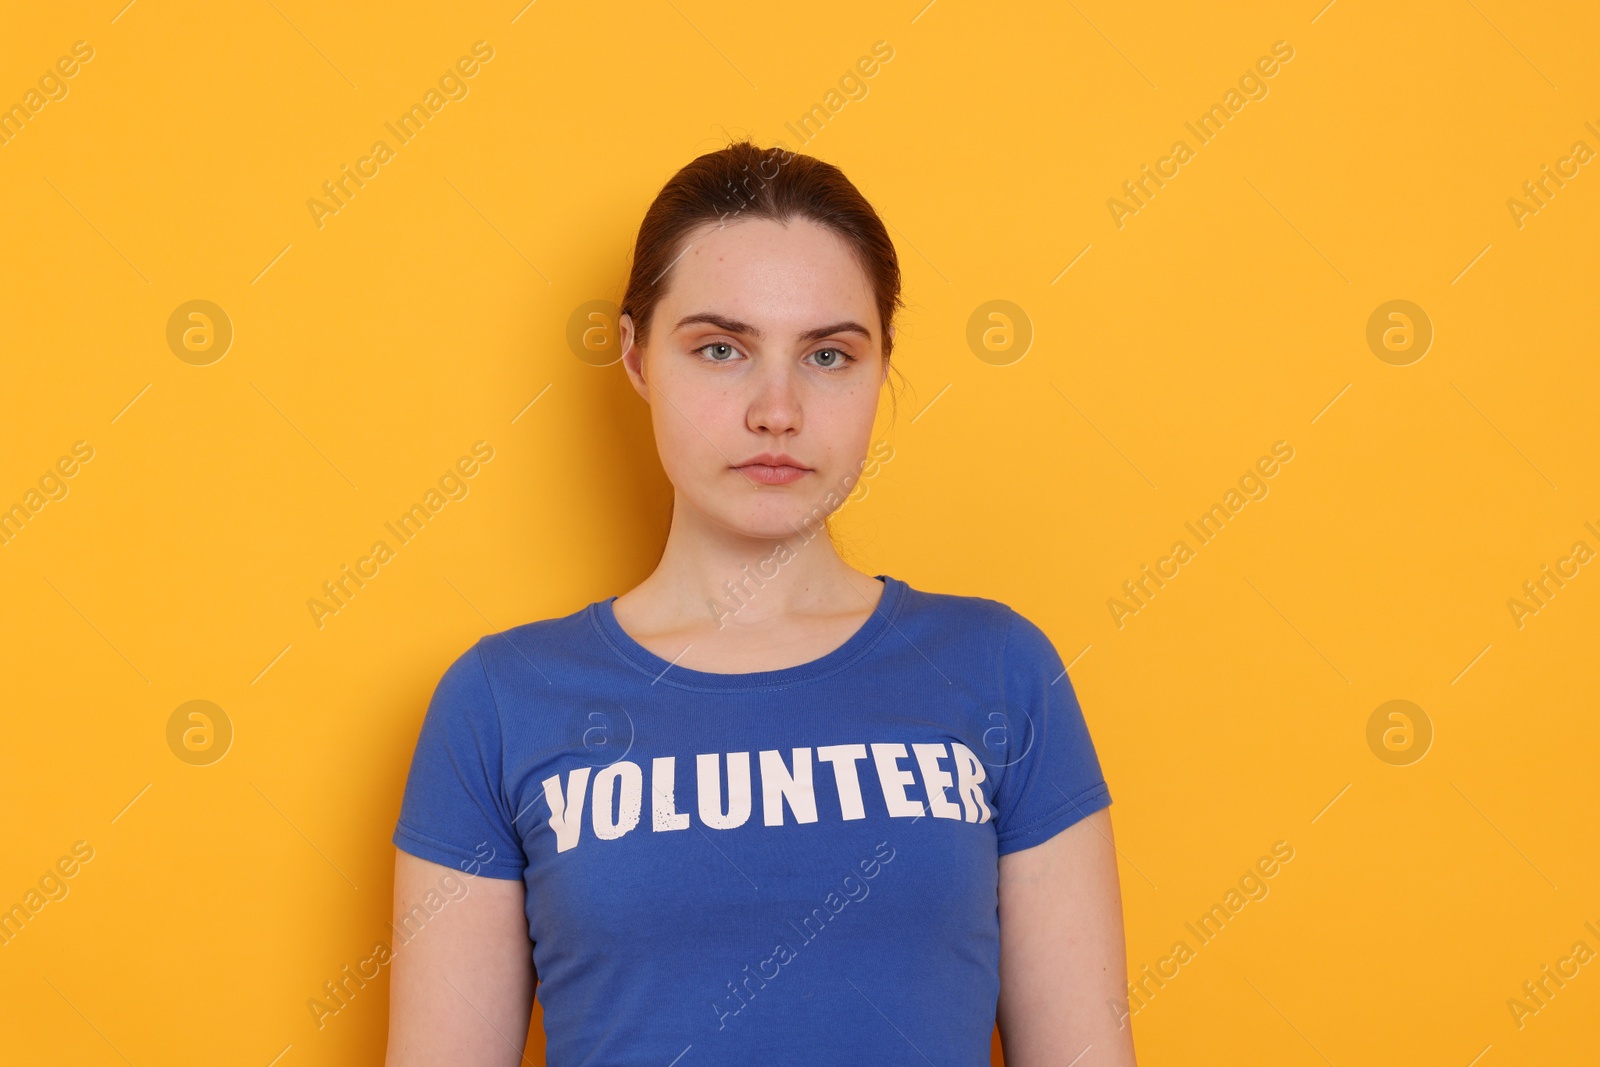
(794, 866)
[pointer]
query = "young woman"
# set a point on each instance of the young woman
(764, 808)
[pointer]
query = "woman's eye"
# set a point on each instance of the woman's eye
(829, 358)
(718, 350)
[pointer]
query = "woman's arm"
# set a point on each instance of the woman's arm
(461, 990)
(1063, 970)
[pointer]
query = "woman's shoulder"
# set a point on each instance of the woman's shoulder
(528, 643)
(1013, 632)
(549, 639)
(971, 609)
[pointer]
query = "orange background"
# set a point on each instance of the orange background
(1167, 351)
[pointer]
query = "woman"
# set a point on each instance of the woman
(764, 808)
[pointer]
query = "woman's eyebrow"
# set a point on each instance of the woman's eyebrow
(722, 322)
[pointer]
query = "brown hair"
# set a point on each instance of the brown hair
(744, 181)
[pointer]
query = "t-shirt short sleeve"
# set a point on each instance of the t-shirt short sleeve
(1053, 778)
(454, 811)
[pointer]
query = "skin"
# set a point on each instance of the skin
(461, 990)
(1062, 956)
(749, 350)
(723, 392)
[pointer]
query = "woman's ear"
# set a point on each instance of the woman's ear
(632, 355)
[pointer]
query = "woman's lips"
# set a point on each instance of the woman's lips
(767, 475)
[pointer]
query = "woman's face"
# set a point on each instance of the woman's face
(764, 356)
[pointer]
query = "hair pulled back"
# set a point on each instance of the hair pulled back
(743, 181)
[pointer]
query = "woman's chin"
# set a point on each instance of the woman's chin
(772, 523)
